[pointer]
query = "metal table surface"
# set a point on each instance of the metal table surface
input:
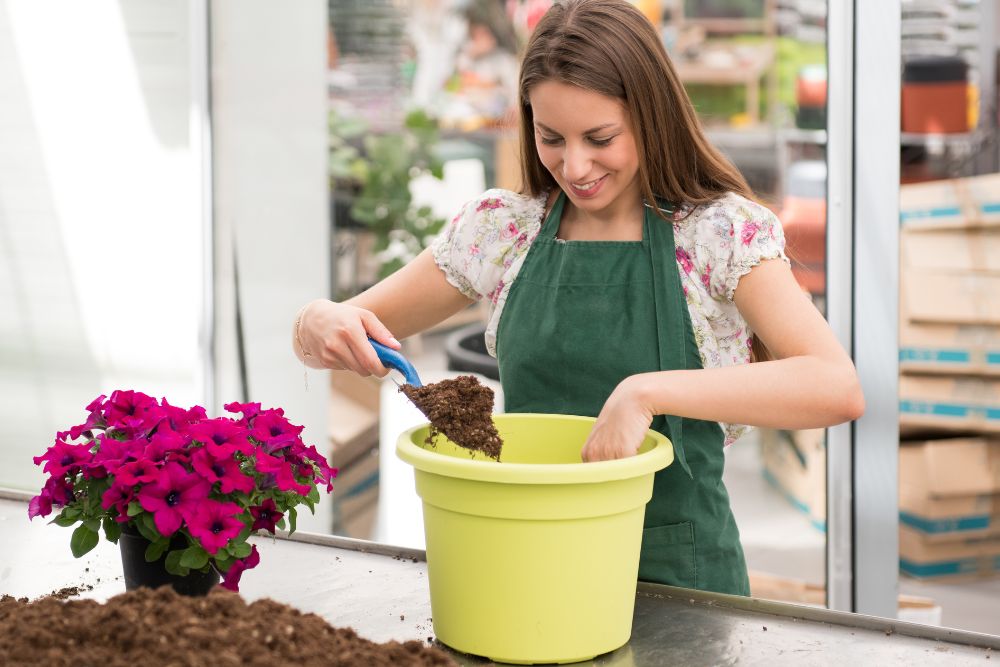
(381, 592)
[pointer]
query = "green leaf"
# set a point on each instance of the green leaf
(72, 512)
(223, 561)
(313, 494)
(194, 557)
(173, 563)
(241, 550)
(93, 524)
(292, 516)
(83, 540)
(149, 522)
(281, 523)
(63, 520)
(155, 550)
(134, 508)
(150, 535)
(112, 529)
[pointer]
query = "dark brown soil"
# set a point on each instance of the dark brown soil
(69, 592)
(159, 627)
(462, 409)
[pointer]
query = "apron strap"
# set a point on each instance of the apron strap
(669, 303)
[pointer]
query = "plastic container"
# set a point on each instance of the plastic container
(535, 558)
(466, 352)
(935, 98)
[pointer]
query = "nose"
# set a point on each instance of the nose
(577, 163)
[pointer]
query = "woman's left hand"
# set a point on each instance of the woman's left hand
(622, 424)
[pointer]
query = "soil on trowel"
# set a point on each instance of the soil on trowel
(159, 628)
(462, 409)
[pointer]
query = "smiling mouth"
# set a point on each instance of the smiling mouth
(588, 185)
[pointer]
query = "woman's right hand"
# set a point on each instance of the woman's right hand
(335, 335)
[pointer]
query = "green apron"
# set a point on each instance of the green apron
(583, 315)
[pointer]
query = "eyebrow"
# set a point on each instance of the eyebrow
(590, 131)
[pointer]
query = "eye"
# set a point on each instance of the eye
(549, 141)
(600, 142)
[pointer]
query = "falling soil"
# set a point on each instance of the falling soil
(159, 627)
(462, 409)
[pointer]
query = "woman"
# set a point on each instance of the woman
(629, 281)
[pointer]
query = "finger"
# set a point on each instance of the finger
(378, 331)
(366, 357)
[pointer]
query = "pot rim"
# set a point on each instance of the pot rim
(484, 469)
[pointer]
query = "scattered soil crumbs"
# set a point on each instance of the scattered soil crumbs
(159, 628)
(69, 591)
(462, 409)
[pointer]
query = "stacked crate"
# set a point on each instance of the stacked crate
(949, 388)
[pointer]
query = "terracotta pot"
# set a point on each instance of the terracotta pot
(153, 575)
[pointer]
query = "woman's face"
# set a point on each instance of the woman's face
(584, 139)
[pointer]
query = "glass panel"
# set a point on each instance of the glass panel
(102, 241)
(755, 71)
(949, 354)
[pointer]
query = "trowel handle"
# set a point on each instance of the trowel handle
(390, 358)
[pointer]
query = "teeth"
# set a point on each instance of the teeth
(586, 186)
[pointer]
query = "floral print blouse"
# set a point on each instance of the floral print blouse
(481, 252)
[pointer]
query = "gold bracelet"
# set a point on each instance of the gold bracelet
(298, 339)
(298, 322)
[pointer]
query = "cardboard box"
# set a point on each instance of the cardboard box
(949, 348)
(945, 402)
(955, 560)
(950, 489)
(955, 298)
(963, 202)
(960, 250)
(795, 464)
(353, 416)
(355, 494)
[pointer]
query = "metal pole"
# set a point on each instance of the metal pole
(876, 305)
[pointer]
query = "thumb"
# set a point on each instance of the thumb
(378, 331)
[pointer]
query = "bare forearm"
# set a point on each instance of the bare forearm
(797, 392)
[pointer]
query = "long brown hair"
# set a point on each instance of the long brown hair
(609, 47)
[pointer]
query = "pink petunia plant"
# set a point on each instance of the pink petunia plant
(166, 472)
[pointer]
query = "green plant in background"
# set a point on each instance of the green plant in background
(380, 179)
(720, 103)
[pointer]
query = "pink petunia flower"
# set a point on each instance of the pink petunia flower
(231, 579)
(215, 524)
(222, 469)
(63, 458)
(142, 471)
(265, 516)
(249, 410)
(271, 429)
(112, 454)
(174, 496)
(118, 496)
(282, 471)
(222, 436)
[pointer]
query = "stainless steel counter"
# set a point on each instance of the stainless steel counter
(381, 592)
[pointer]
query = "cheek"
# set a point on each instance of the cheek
(548, 155)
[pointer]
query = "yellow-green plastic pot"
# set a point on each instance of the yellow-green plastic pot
(534, 558)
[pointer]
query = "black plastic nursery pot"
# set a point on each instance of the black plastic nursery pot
(466, 352)
(139, 573)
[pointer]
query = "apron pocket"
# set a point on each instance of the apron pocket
(668, 555)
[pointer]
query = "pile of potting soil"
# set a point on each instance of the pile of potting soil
(159, 627)
(462, 409)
